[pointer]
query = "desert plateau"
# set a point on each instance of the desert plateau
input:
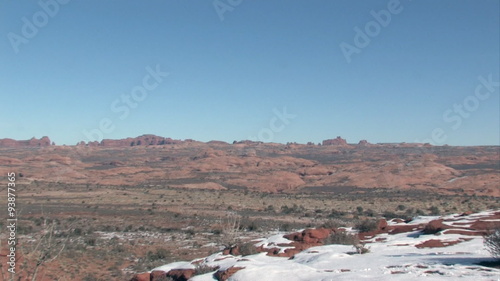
(120, 209)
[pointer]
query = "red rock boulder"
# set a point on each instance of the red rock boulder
(146, 276)
(435, 226)
(223, 275)
(310, 236)
(181, 274)
(158, 275)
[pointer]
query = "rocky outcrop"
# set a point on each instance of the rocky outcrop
(146, 276)
(300, 241)
(262, 167)
(144, 140)
(436, 243)
(216, 142)
(248, 142)
(223, 275)
(364, 143)
(33, 142)
(310, 236)
(180, 274)
(435, 226)
(413, 234)
(139, 141)
(336, 141)
(158, 275)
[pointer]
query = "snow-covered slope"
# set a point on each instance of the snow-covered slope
(409, 255)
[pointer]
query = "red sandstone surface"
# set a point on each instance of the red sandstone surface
(334, 166)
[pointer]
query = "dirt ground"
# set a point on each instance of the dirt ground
(87, 232)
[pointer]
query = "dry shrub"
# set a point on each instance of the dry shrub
(342, 238)
(492, 243)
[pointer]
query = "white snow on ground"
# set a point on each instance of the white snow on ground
(175, 265)
(395, 258)
(274, 242)
(424, 219)
(386, 261)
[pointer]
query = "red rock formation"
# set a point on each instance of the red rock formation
(180, 274)
(235, 251)
(396, 229)
(144, 140)
(364, 143)
(382, 225)
(223, 275)
(435, 226)
(336, 141)
(475, 224)
(434, 243)
(310, 236)
(300, 241)
(140, 140)
(465, 232)
(158, 275)
(216, 142)
(247, 142)
(141, 277)
(33, 142)
(173, 274)
(263, 167)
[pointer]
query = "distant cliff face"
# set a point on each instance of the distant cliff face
(140, 140)
(143, 140)
(265, 167)
(336, 141)
(33, 142)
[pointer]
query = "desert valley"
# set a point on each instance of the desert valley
(133, 209)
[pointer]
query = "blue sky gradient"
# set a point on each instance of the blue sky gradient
(228, 77)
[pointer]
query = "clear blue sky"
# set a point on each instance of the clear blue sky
(230, 71)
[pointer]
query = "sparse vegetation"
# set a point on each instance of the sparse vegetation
(152, 259)
(361, 248)
(336, 214)
(434, 211)
(342, 238)
(90, 277)
(390, 215)
(370, 213)
(201, 269)
(335, 223)
(230, 230)
(366, 225)
(138, 235)
(492, 243)
(247, 249)
(159, 254)
(292, 210)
